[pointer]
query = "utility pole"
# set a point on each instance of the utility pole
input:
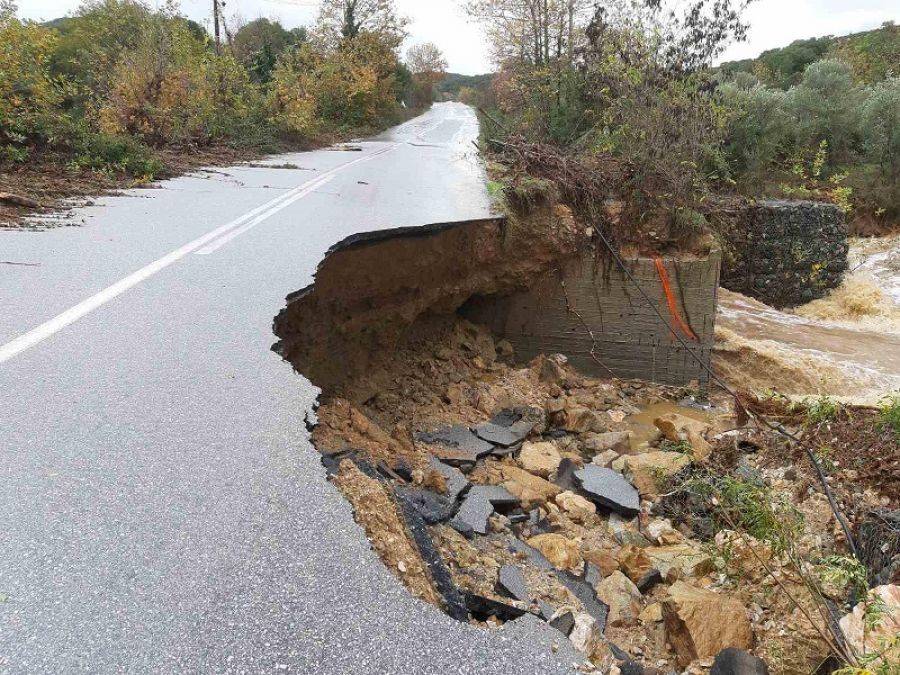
(216, 27)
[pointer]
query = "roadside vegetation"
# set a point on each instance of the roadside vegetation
(630, 89)
(119, 90)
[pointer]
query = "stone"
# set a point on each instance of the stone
(472, 517)
(563, 620)
(609, 489)
(585, 635)
(577, 507)
(650, 471)
(581, 420)
(680, 561)
(622, 597)
(651, 613)
(875, 638)
(605, 459)
(603, 560)
(561, 552)
(592, 574)
(700, 623)
(660, 531)
(617, 441)
(634, 561)
(455, 480)
(456, 445)
(541, 459)
(733, 661)
(531, 490)
(649, 581)
(676, 427)
(550, 369)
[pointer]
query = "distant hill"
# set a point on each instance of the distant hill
(873, 54)
(453, 82)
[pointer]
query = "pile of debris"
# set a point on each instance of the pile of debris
(493, 491)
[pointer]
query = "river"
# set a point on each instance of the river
(846, 345)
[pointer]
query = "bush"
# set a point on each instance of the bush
(825, 107)
(354, 86)
(30, 97)
(757, 128)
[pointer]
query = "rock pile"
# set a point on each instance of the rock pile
(530, 490)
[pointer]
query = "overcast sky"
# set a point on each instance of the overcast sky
(774, 23)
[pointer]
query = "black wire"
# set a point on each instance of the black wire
(774, 427)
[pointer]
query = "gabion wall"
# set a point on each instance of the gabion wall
(787, 253)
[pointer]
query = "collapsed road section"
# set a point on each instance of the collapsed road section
(494, 479)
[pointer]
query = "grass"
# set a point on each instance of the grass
(890, 414)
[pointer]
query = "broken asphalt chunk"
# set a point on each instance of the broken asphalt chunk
(454, 602)
(536, 557)
(433, 508)
(456, 481)
(586, 594)
(609, 489)
(512, 581)
(565, 475)
(456, 445)
(472, 517)
(564, 622)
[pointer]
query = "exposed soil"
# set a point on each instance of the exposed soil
(611, 510)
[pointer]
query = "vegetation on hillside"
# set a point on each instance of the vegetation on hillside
(105, 88)
(627, 94)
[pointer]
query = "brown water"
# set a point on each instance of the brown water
(846, 345)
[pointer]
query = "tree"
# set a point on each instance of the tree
(341, 20)
(531, 31)
(425, 59)
(258, 44)
(428, 65)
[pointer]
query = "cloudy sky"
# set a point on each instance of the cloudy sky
(774, 23)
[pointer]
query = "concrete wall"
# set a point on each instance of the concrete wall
(786, 253)
(628, 337)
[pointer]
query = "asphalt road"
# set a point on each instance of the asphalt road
(162, 507)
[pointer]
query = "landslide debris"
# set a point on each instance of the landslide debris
(542, 491)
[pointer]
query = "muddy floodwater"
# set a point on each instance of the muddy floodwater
(846, 345)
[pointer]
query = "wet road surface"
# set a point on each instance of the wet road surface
(162, 508)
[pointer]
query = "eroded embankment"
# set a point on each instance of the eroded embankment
(650, 535)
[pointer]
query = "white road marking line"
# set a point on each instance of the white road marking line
(260, 213)
(237, 231)
(296, 194)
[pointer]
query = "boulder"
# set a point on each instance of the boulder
(882, 628)
(605, 459)
(603, 560)
(700, 623)
(680, 561)
(609, 489)
(581, 420)
(585, 635)
(675, 427)
(528, 488)
(618, 441)
(651, 470)
(634, 561)
(541, 459)
(577, 507)
(564, 554)
(651, 613)
(623, 598)
(733, 661)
